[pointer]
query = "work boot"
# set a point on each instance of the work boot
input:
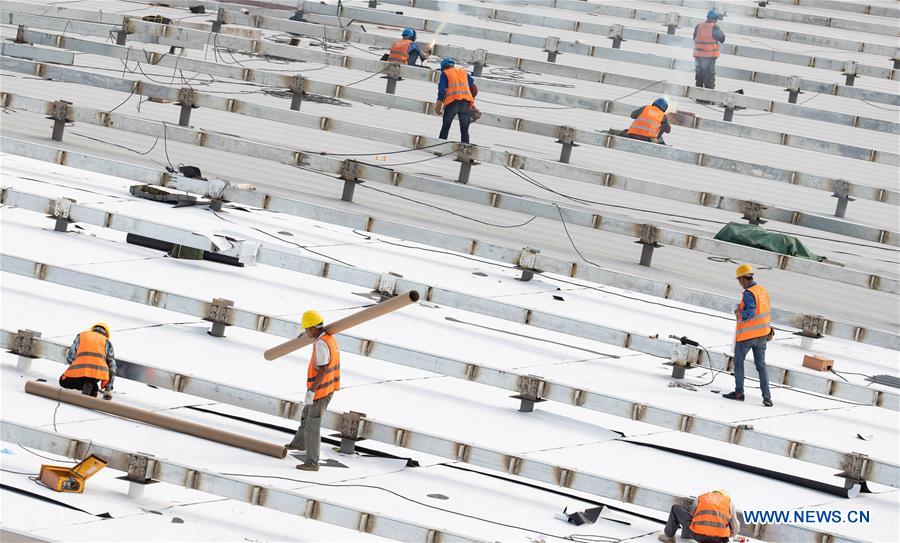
(665, 539)
(767, 402)
(308, 467)
(734, 396)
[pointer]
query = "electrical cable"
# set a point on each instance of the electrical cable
(411, 500)
(47, 457)
(572, 241)
(166, 145)
(479, 221)
(438, 251)
(365, 78)
(19, 472)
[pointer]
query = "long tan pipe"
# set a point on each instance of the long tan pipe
(385, 307)
(163, 421)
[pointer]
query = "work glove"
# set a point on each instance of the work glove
(308, 399)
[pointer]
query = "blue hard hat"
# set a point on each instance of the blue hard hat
(661, 103)
(408, 33)
(445, 62)
(712, 14)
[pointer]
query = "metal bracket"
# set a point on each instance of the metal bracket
(216, 190)
(551, 47)
(60, 116)
(220, 20)
(62, 207)
(527, 261)
(186, 101)
(615, 34)
(672, 20)
(855, 467)
(649, 235)
(567, 139)
(793, 89)
(26, 347)
(352, 424)
(813, 327)
(683, 357)
(20, 34)
(531, 388)
(842, 193)
(220, 314)
(752, 211)
(728, 104)
(296, 87)
(387, 285)
(139, 474)
(464, 155)
(393, 75)
(850, 71)
(349, 172)
(479, 61)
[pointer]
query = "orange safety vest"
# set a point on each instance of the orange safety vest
(712, 515)
(758, 326)
(648, 123)
(90, 358)
(332, 379)
(704, 44)
(400, 52)
(457, 86)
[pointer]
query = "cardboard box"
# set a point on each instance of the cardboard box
(817, 362)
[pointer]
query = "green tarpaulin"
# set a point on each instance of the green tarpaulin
(752, 235)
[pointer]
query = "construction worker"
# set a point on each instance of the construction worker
(91, 361)
(712, 520)
(456, 96)
(707, 37)
(407, 51)
(650, 122)
(323, 378)
(751, 333)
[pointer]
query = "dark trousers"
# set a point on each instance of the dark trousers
(78, 383)
(705, 75)
(680, 517)
(658, 139)
(459, 108)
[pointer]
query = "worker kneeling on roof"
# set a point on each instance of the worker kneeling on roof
(92, 363)
(406, 50)
(650, 122)
(712, 520)
(323, 378)
(456, 97)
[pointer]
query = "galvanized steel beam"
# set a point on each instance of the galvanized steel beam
(741, 434)
(132, 124)
(292, 502)
(520, 91)
(850, 7)
(500, 121)
(510, 255)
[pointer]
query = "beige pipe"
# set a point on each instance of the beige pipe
(163, 421)
(385, 307)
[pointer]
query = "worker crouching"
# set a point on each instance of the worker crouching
(323, 379)
(92, 363)
(650, 122)
(406, 50)
(712, 520)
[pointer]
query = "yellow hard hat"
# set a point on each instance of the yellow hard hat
(722, 492)
(311, 318)
(742, 270)
(102, 326)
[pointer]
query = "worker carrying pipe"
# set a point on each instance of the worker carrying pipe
(92, 363)
(752, 332)
(711, 520)
(650, 122)
(323, 379)
(406, 50)
(455, 98)
(707, 37)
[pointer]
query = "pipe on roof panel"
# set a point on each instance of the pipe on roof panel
(337, 327)
(163, 421)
